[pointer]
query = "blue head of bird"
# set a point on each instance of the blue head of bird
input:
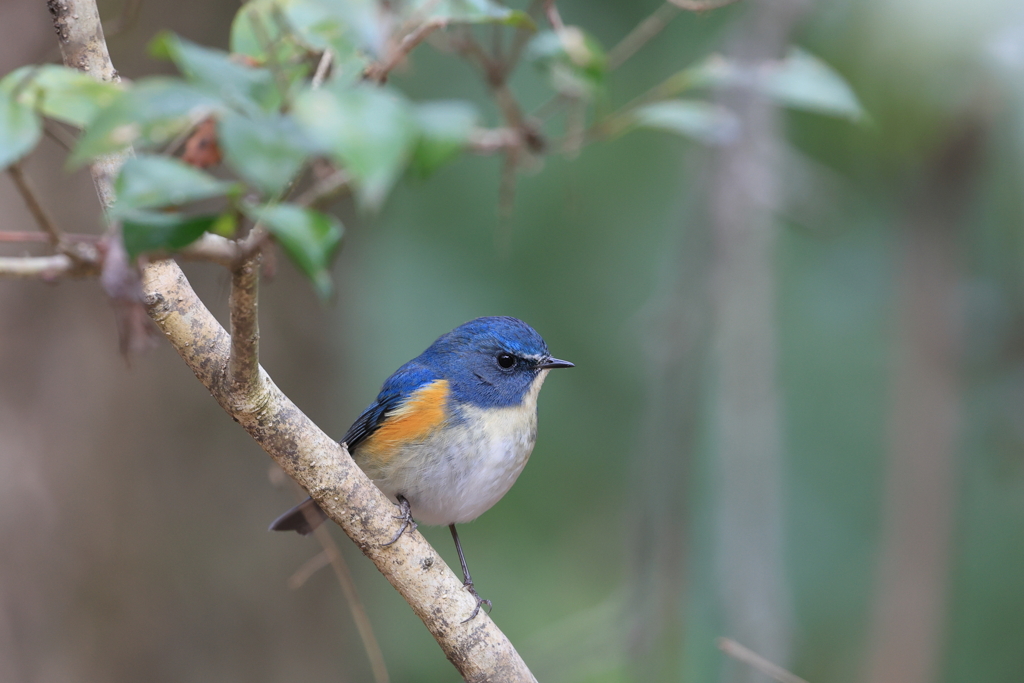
(492, 362)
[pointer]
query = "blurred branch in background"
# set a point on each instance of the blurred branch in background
(746, 431)
(674, 340)
(910, 604)
(722, 303)
(757, 662)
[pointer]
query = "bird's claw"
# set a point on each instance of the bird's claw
(407, 521)
(479, 602)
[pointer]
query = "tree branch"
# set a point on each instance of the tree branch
(321, 466)
(83, 47)
(243, 365)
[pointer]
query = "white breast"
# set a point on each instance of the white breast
(458, 473)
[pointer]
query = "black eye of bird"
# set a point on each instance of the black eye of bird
(506, 360)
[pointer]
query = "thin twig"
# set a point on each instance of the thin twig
(126, 21)
(355, 605)
(554, 18)
(491, 140)
(698, 6)
(45, 267)
(467, 45)
(756, 661)
(324, 188)
(322, 67)
(243, 303)
(33, 236)
(628, 46)
(311, 566)
(211, 248)
(522, 38)
(379, 72)
(59, 135)
(639, 36)
(612, 124)
(35, 207)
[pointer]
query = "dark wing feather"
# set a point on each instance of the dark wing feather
(396, 390)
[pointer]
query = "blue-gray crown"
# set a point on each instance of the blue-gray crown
(490, 362)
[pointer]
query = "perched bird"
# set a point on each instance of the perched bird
(451, 430)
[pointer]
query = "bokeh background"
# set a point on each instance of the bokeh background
(797, 418)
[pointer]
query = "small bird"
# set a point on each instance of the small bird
(450, 430)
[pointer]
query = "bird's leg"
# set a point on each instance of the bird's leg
(467, 580)
(407, 521)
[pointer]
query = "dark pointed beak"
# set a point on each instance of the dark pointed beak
(552, 363)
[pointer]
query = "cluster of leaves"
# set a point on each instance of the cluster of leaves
(272, 116)
(270, 121)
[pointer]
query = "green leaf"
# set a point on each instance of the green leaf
(257, 24)
(146, 231)
(261, 32)
(152, 113)
(344, 26)
(217, 73)
(267, 150)
(799, 81)
(802, 81)
(225, 225)
(369, 130)
(310, 239)
(353, 23)
(445, 128)
(472, 12)
(60, 92)
(576, 62)
(711, 124)
(20, 130)
(150, 181)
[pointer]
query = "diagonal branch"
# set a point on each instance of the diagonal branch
(319, 464)
(639, 36)
(35, 207)
(379, 72)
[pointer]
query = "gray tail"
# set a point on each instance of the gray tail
(302, 518)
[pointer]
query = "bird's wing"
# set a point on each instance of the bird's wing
(406, 383)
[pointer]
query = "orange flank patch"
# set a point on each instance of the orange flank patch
(412, 422)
